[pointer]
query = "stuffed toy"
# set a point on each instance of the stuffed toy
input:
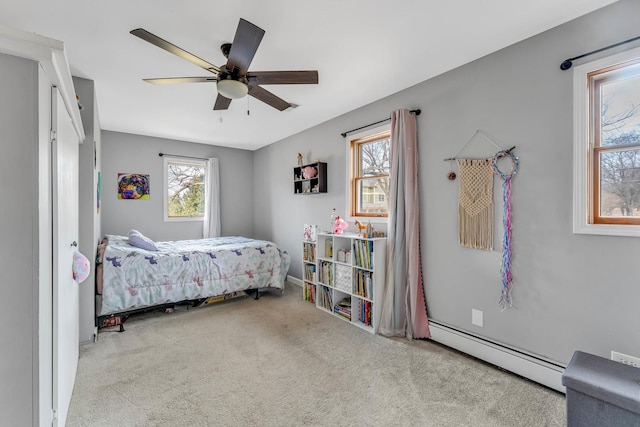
(339, 226)
(309, 172)
(80, 267)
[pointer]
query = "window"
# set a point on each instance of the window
(369, 176)
(607, 146)
(184, 189)
(614, 95)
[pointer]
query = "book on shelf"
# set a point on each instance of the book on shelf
(310, 272)
(364, 284)
(363, 250)
(326, 300)
(326, 273)
(343, 308)
(346, 315)
(345, 302)
(328, 248)
(309, 292)
(365, 313)
(309, 252)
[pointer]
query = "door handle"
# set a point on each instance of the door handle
(74, 244)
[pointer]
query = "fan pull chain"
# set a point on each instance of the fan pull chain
(248, 112)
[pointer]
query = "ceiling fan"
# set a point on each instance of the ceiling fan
(234, 80)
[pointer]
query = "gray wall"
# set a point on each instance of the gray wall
(572, 292)
(19, 248)
(89, 226)
(127, 153)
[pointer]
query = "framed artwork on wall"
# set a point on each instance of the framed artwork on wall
(133, 186)
(98, 191)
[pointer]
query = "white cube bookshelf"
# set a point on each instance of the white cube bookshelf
(348, 277)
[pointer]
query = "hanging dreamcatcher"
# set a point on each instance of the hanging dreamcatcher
(505, 269)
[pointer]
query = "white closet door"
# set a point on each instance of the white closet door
(65, 237)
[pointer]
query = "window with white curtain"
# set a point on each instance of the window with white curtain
(184, 192)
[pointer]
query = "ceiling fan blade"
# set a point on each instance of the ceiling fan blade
(268, 98)
(174, 80)
(283, 77)
(222, 103)
(170, 47)
(244, 46)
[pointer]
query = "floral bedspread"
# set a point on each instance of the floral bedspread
(187, 269)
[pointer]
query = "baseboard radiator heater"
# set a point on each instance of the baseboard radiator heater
(521, 363)
(294, 280)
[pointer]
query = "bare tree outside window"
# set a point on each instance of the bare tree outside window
(606, 145)
(619, 148)
(371, 175)
(185, 187)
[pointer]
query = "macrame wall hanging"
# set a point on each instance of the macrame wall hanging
(475, 207)
(475, 204)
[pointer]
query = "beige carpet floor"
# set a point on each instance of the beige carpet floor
(279, 361)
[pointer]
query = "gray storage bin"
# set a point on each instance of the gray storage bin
(601, 392)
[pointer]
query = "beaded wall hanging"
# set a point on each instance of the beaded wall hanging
(505, 269)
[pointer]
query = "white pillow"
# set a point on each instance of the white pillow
(141, 241)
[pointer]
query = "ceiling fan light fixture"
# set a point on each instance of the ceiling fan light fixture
(233, 78)
(233, 89)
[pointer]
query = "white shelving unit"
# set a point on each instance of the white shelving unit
(345, 277)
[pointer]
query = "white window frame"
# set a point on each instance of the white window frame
(581, 170)
(349, 139)
(167, 160)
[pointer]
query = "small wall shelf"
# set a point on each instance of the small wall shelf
(314, 185)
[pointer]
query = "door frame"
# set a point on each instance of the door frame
(54, 69)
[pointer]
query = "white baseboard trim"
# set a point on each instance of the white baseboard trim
(518, 362)
(294, 280)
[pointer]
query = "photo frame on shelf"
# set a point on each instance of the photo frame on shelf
(310, 232)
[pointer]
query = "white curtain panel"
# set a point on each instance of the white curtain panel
(211, 226)
(404, 310)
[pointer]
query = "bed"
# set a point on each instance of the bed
(130, 278)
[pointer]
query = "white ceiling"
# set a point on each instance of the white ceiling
(363, 50)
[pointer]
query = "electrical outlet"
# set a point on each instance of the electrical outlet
(625, 359)
(476, 317)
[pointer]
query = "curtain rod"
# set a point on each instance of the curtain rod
(416, 112)
(567, 63)
(461, 158)
(184, 157)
